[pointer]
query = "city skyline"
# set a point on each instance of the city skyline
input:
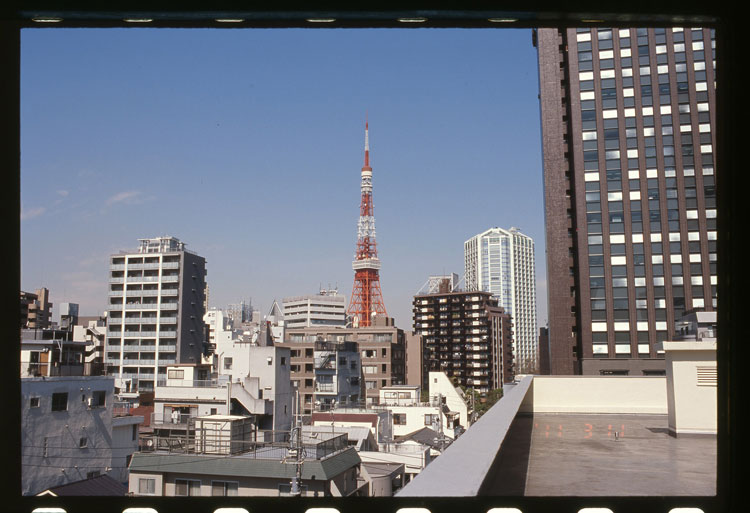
(259, 170)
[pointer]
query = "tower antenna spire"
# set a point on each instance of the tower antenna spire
(367, 142)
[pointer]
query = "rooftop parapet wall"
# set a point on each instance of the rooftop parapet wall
(597, 394)
(462, 468)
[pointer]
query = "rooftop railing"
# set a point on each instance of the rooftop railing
(267, 445)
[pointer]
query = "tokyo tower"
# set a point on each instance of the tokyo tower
(366, 300)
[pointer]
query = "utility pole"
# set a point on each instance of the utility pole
(295, 451)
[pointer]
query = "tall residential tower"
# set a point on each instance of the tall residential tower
(501, 262)
(628, 131)
(155, 312)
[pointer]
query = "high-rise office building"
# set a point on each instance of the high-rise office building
(628, 118)
(155, 311)
(501, 262)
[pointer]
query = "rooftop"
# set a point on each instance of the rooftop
(246, 465)
(602, 455)
(99, 485)
(574, 436)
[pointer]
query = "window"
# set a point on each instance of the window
(224, 488)
(99, 399)
(83, 442)
(187, 487)
(227, 363)
(399, 419)
(430, 419)
(134, 432)
(34, 402)
(176, 374)
(146, 486)
(60, 401)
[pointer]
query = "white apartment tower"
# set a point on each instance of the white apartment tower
(155, 312)
(501, 262)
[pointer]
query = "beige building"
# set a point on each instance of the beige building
(36, 309)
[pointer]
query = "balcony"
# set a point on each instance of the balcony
(143, 279)
(166, 348)
(142, 293)
(167, 306)
(170, 265)
(174, 278)
(325, 388)
(167, 334)
(168, 320)
(169, 292)
(141, 306)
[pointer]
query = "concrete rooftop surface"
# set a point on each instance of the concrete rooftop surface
(551, 454)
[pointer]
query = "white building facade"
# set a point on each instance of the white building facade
(155, 312)
(327, 308)
(69, 432)
(501, 262)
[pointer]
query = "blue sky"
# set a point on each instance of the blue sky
(247, 145)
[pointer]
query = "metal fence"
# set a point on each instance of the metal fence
(269, 445)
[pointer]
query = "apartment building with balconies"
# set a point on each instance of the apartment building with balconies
(467, 336)
(382, 352)
(155, 312)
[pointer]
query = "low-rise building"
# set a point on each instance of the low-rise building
(48, 352)
(262, 392)
(259, 468)
(69, 432)
(446, 411)
(379, 422)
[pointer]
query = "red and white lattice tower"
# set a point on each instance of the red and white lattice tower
(366, 300)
